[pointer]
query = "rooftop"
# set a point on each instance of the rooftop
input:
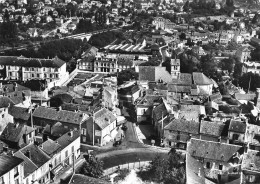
(7, 163)
(58, 115)
(183, 125)
(212, 150)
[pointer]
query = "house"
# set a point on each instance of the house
(43, 116)
(69, 146)
(154, 74)
(179, 131)
(5, 117)
(17, 135)
(213, 131)
(144, 107)
(164, 24)
(250, 167)
(33, 32)
(203, 83)
(11, 169)
(128, 94)
(23, 69)
(251, 66)
(100, 128)
(21, 115)
(106, 63)
(36, 164)
(39, 91)
(191, 112)
(212, 162)
(109, 97)
(236, 131)
(243, 54)
(175, 68)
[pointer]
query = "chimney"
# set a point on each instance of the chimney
(199, 173)
(70, 133)
(28, 154)
(60, 108)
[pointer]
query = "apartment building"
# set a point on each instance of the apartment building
(21, 68)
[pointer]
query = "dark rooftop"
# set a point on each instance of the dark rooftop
(7, 163)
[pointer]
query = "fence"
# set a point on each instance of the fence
(132, 165)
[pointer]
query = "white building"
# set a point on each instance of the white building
(21, 68)
(12, 171)
(250, 66)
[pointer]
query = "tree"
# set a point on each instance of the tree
(227, 64)
(126, 75)
(92, 167)
(255, 19)
(166, 170)
(249, 81)
(186, 6)
(208, 65)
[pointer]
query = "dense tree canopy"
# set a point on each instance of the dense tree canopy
(249, 81)
(103, 39)
(92, 167)
(126, 75)
(165, 170)
(208, 65)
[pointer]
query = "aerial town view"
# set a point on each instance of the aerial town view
(129, 91)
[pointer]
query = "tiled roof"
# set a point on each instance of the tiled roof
(5, 102)
(103, 118)
(215, 97)
(183, 125)
(156, 86)
(201, 79)
(19, 113)
(160, 111)
(14, 132)
(7, 163)
(68, 138)
(150, 100)
(37, 156)
(12, 87)
(184, 79)
(50, 147)
(82, 179)
(237, 126)
(31, 62)
(154, 73)
(75, 107)
(29, 166)
(129, 90)
(212, 128)
(179, 88)
(251, 160)
(147, 73)
(58, 115)
(212, 150)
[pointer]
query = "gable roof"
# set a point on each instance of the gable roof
(31, 62)
(50, 147)
(154, 73)
(179, 88)
(248, 97)
(103, 118)
(6, 102)
(212, 150)
(201, 79)
(183, 79)
(183, 125)
(160, 111)
(19, 113)
(7, 163)
(212, 128)
(68, 138)
(237, 126)
(14, 132)
(37, 156)
(58, 115)
(29, 166)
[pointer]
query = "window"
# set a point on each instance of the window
(16, 173)
(2, 180)
(83, 131)
(27, 181)
(32, 75)
(66, 154)
(16, 181)
(3, 115)
(72, 149)
(208, 165)
(33, 177)
(220, 167)
(235, 136)
(38, 75)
